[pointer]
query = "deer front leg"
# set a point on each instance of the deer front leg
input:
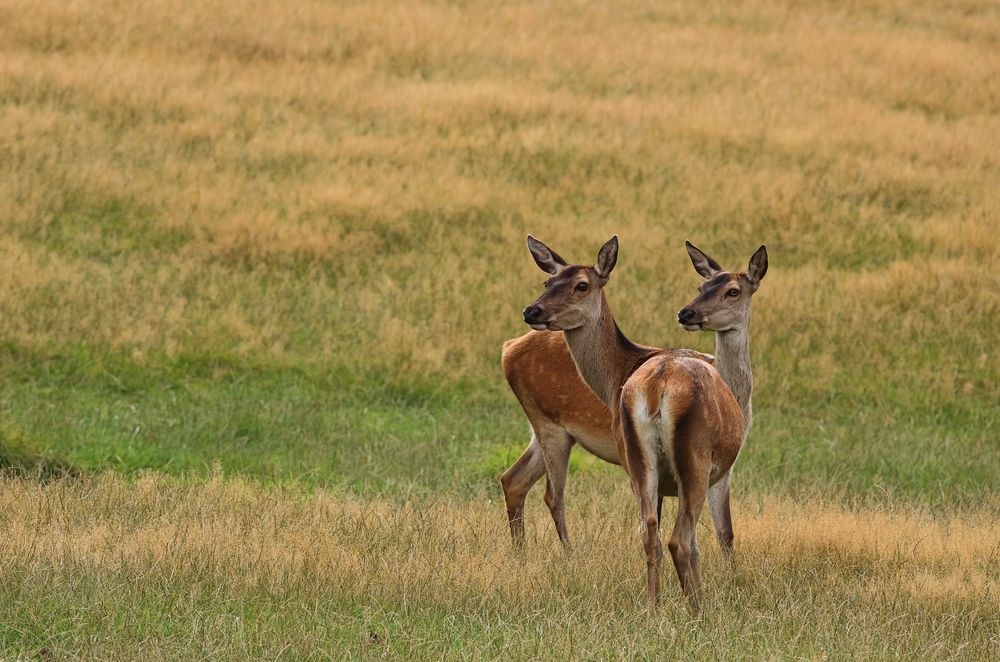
(556, 446)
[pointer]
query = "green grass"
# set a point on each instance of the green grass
(19, 456)
(377, 433)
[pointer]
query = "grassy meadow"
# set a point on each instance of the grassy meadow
(154, 568)
(257, 261)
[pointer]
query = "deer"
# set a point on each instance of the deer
(671, 443)
(677, 424)
(562, 411)
(723, 306)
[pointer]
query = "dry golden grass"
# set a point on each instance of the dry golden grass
(250, 536)
(291, 179)
(801, 563)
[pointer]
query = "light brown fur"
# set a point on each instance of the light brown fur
(540, 369)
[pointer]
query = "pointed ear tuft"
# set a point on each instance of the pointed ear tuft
(703, 264)
(758, 266)
(546, 258)
(607, 258)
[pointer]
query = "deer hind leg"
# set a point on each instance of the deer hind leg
(516, 482)
(718, 506)
(646, 493)
(659, 518)
(683, 545)
(645, 483)
(695, 558)
(682, 549)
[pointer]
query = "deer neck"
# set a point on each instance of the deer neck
(603, 355)
(732, 360)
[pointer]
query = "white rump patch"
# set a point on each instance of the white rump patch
(655, 433)
(666, 432)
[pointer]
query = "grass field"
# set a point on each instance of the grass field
(154, 568)
(257, 261)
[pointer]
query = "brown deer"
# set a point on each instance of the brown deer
(680, 436)
(723, 306)
(562, 411)
(676, 422)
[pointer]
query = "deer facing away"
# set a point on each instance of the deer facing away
(723, 306)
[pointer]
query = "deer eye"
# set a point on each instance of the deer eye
(733, 293)
(582, 287)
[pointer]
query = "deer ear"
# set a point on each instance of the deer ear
(758, 266)
(703, 264)
(546, 258)
(607, 258)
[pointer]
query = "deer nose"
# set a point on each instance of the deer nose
(685, 316)
(531, 314)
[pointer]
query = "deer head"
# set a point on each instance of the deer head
(572, 295)
(723, 301)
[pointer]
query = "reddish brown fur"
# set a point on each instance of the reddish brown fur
(562, 410)
(691, 392)
(682, 459)
(541, 372)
